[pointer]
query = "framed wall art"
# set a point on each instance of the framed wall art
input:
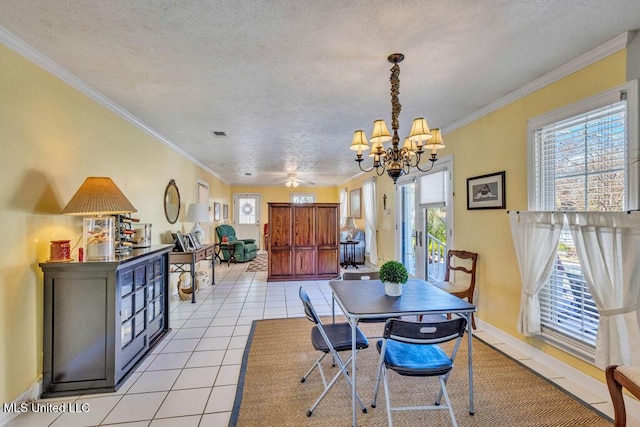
(486, 191)
(216, 211)
(354, 203)
(225, 211)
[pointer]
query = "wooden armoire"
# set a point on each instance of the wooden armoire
(304, 241)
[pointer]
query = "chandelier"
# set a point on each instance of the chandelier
(395, 160)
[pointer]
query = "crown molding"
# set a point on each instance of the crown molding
(606, 49)
(32, 54)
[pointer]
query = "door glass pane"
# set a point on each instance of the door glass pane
(436, 242)
(407, 227)
(247, 214)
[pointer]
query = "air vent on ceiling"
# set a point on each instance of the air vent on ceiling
(219, 134)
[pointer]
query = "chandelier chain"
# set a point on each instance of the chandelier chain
(395, 101)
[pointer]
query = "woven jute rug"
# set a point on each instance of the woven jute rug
(507, 394)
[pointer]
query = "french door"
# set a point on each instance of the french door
(424, 214)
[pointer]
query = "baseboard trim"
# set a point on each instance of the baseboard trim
(29, 395)
(567, 371)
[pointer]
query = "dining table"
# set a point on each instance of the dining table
(366, 299)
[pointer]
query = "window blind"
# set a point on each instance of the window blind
(580, 165)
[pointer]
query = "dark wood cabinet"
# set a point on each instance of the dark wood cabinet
(303, 241)
(101, 319)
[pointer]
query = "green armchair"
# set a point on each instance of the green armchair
(246, 249)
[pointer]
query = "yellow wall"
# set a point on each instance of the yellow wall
(282, 193)
(52, 138)
(497, 142)
(385, 220)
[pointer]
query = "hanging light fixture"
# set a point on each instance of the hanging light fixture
(397, 160)
(292, 180)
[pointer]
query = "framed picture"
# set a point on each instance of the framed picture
(189, 242)
(225, 211)
(179, 242)
(216, 211)
(354, 203)
(486, 191)
(196, 241)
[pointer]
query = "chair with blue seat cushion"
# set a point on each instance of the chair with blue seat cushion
(411, 349)
(330, 339)
(245, 249)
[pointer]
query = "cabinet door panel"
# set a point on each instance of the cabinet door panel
(280, 262)
(328, 227)
(328, 261)
(305, 261)
(304, 226)
(79, 328)
(280, 226)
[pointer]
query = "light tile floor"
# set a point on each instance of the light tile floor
(190, 378)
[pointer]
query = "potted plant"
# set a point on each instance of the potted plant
(393, 274)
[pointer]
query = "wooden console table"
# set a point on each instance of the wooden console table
(191, 258)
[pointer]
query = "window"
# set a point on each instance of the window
(580, 163)
(303, 198)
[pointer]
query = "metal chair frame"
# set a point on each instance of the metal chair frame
(419, 334)
(328, 346)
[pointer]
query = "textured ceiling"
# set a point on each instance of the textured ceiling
(289, 81)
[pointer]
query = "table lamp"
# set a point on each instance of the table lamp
(197, 213)
(97, 199)
(349, 224)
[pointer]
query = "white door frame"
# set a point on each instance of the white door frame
(443, 163)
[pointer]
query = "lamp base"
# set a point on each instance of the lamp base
(99, 238)
(198, 232)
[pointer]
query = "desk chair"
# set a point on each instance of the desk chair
(618, 377)
(411, 349)
(330, 339)
(459, 287)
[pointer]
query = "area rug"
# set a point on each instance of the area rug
(279, 352)
(259, 263)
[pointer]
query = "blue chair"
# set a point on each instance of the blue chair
(411, 349)
(330, 339)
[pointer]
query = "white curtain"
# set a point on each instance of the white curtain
(535, 238)
(608, 247)
(370, 218)
(343, 205)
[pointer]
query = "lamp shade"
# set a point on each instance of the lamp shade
(411, 146)
(359, 142)
(98, 196)
(349, 223)
(435, 143)
(197, 212)
(380, 132)
(420, 130)
(377, 149)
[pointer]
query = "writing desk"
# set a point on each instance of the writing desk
(180, 259)
(365, 299)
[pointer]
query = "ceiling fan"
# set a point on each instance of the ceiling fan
(293, 180)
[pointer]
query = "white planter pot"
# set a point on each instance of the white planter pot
(393, 289)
